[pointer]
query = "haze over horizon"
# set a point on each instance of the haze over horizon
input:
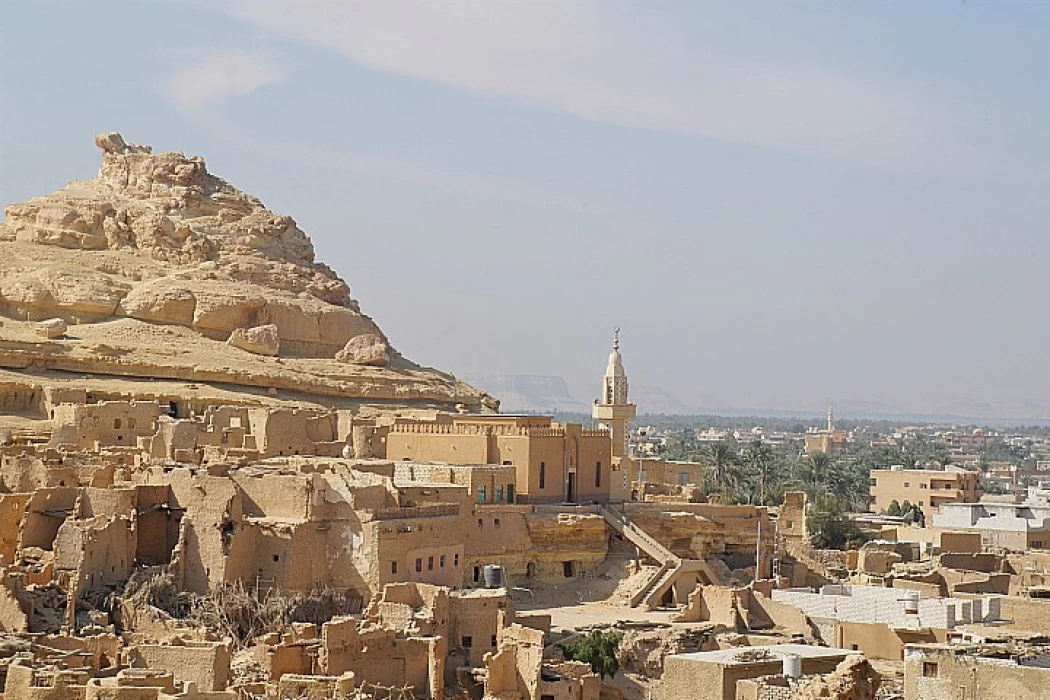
(782, 206)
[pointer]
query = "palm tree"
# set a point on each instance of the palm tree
(813, 472)
(761, 464)
(849, 482)
(724, 474)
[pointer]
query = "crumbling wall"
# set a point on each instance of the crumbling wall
(205, 663)
(95, 553)
(12, 510)
(479, 616)
(213, 526)
(45, 511)
(26, 682)
(516, 667)
(416, 609)
(379, 656)
(14, 610)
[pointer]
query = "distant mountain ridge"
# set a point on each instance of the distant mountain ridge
(540, 393)
(530, 393)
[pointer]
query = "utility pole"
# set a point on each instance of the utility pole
(758, 550)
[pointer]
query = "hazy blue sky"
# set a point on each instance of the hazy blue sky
(781, 203)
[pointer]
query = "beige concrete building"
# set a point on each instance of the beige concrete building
(987, 672)
(553, 463)
(927, 488)
(829, 441)
(718, 672)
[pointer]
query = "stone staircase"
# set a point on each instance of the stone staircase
(664, 574)
(636, 535)
(671, 568)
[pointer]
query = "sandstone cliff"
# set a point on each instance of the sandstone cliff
(157, 268)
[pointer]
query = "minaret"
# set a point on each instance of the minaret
(612, 411)
(831, 419)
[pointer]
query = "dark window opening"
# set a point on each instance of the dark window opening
(493, 641)
(477, 574)
(276, 557)
(929, 669)
(393, 567)
(430, 563)
(567, 569)
(419, 565)
(468, 642)
(598, 475)
(543, 475)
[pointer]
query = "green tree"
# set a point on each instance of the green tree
(849, 481)
(811, 474)
(831, 528)
(760, 462)
(597, 649)
(894, 509)
(724, 473)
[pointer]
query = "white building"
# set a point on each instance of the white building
(1017, 526)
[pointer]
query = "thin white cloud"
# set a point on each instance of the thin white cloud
(203, 80)
(207, 78)
(599, 61)
(393, 168)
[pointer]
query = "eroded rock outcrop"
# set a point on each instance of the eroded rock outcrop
(367, 349)
(261, 340)
(190, 248)
(163, 262)
(853, 679)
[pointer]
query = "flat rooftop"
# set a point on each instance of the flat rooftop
(741, 656)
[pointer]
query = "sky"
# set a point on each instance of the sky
(782, 204)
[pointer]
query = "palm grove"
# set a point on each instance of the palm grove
(757, 474)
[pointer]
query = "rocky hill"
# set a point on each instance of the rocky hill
(157, 269)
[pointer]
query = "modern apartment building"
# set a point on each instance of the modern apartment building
(927, 488)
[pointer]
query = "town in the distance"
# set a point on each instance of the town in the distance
(219, 481)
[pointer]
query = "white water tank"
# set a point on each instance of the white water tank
(911, 603)
(792, 665)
